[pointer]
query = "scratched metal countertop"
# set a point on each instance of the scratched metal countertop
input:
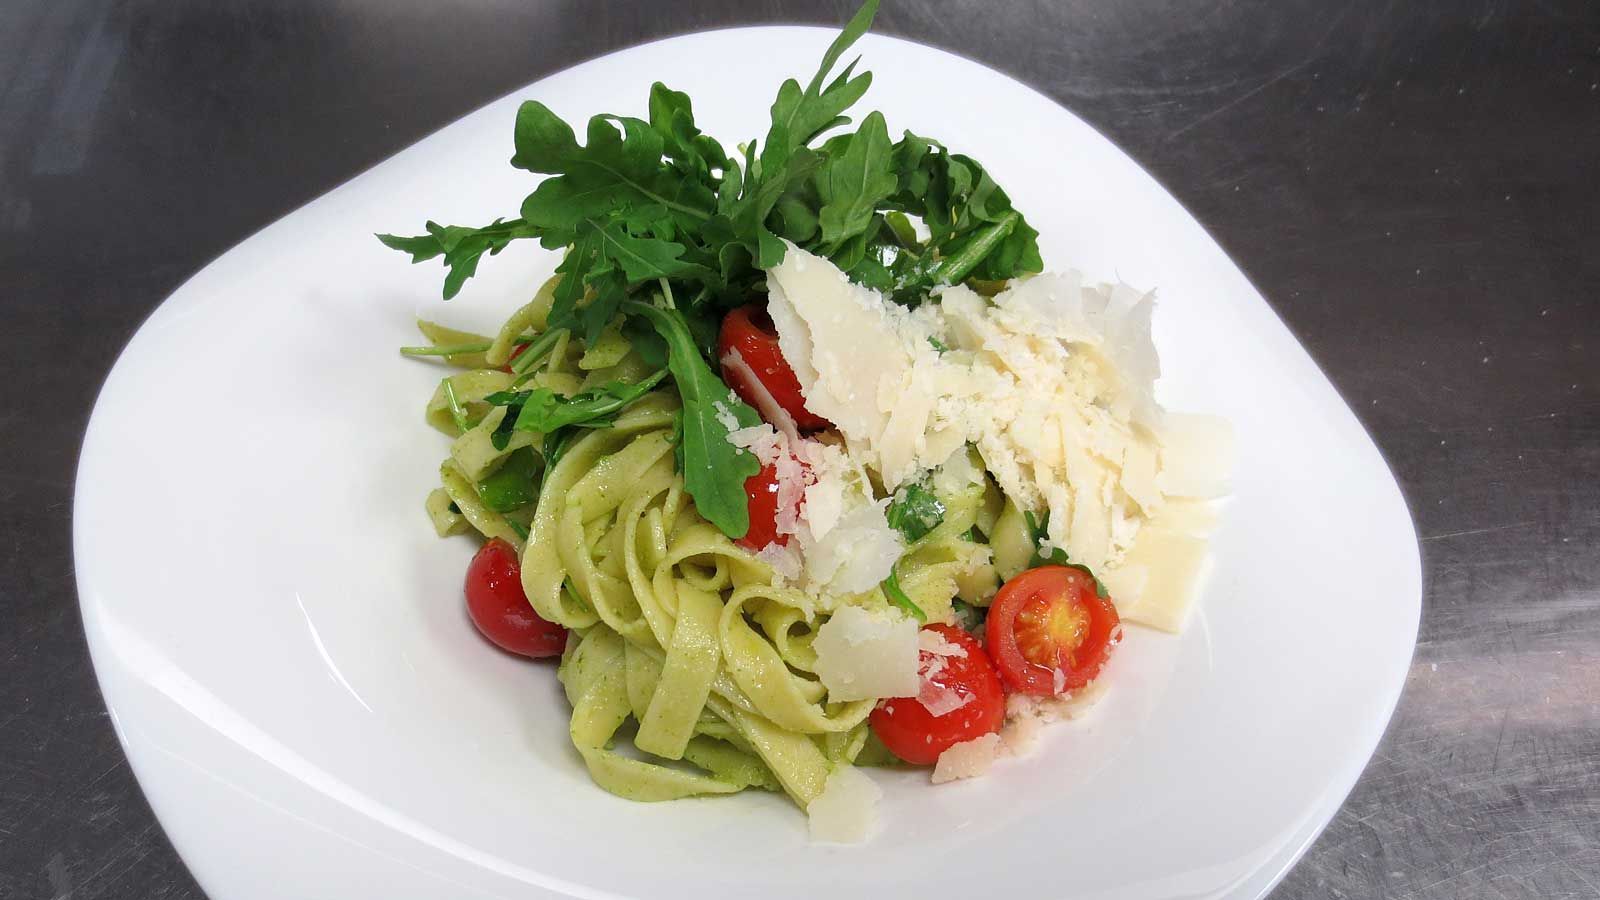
(1414, 187)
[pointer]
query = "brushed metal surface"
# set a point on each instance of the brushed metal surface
(1413, 186)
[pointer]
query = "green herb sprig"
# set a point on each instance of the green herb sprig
(653, 203)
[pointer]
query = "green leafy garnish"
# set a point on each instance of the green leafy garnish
(714, 470)
(556, 444)
(897, 596)
(915, 511)
(1038, 531)
(512, 486)
(642, 199)
(654, 206)
(542, 410)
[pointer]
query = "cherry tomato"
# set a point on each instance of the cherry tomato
(1050, 632)
(910, 729)
(762, 489)
(500, 609)
(748, 331)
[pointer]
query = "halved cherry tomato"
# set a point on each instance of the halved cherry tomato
(749, 332)
(1050, 632)
(762, 489)
(500, 609)
(909, 728)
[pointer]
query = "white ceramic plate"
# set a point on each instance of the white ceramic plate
(283, 648)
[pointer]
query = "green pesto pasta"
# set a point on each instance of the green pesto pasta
(682, 642)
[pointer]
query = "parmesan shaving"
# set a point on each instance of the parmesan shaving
(846, 812)
(1052, 381)
(968, 759)
(867, 654)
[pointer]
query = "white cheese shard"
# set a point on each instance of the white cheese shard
(867, 654)
(1197, 454)
(846, 812)
(1157, 582)
(968, 759)
(857, 553)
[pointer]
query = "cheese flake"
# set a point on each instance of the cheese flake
(867, 654)
(846, 812)
(968, 759)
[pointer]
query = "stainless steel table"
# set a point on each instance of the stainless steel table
(1414, 186)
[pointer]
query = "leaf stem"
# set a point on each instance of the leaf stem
(456, 412)
(955, 268)
(537, 350)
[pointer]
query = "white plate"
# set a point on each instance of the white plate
(283, 648)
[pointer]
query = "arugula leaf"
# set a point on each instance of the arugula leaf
(555, 446)
(543, 411)
(854, 182)
(897, 596)
(500, 437)
(461, 247)
(714, 471)
(620, 166)
(512, 485)
(915, 511)
(691, 152)
(799, 116)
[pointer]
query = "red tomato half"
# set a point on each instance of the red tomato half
(909, 728)
(762, 489)
(500, 609)
(749, 332)
(1050, 632)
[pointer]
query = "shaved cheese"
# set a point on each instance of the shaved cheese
(1196, 455)
(1156, 584)
(1196, 518)
(867, 654)
(846, 812)
(968, 759)
(1052, 381)
(857, 553)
